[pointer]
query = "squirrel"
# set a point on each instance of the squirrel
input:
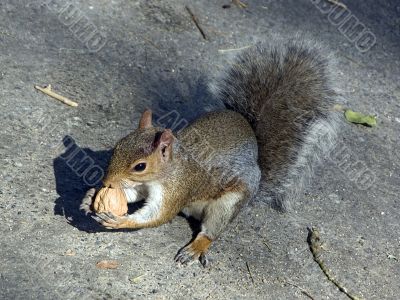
(277, 122)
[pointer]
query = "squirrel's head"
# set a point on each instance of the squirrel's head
(142, 155)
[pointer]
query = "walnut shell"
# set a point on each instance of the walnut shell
(111, 200)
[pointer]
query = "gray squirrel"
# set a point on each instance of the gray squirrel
(277, 122)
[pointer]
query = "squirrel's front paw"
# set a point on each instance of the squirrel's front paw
(87, 201)
(111, 221)
(196, 250)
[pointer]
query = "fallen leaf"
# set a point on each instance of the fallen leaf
(359, 118)
(137, 279)
(390, 256)
(70, 252)
(107, 264)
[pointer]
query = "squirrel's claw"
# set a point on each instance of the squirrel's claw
(111, 216)
(108, 220)
(111, 221)
(97, 219)
(204, 260)
(196, 250)
(186, 256)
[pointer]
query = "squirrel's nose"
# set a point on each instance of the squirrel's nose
(110, 184)
(113, 185)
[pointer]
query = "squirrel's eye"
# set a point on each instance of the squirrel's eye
(140, 167)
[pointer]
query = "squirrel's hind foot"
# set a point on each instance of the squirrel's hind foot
(196, 250)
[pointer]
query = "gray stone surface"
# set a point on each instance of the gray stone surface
(154, 56)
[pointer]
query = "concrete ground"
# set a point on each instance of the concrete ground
(136, 54)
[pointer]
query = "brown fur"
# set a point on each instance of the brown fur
(280, 94)
(200, 245)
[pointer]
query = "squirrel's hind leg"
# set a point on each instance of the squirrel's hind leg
(216, 216)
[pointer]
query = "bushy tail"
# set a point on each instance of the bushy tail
(285, 91)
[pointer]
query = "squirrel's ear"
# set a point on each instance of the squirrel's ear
(166, 138)
(145, 120)
(165, 142)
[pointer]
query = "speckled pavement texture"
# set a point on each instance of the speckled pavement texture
(123, 56)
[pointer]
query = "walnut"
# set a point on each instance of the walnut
(111, 200)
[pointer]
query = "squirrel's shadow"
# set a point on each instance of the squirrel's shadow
(76, 171)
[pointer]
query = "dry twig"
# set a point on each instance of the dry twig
(233, 49)
(196, 22)
(239, 3)
(303, 291)
(266, 245)
(248, 270)
(47, 90)
(151, 43)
